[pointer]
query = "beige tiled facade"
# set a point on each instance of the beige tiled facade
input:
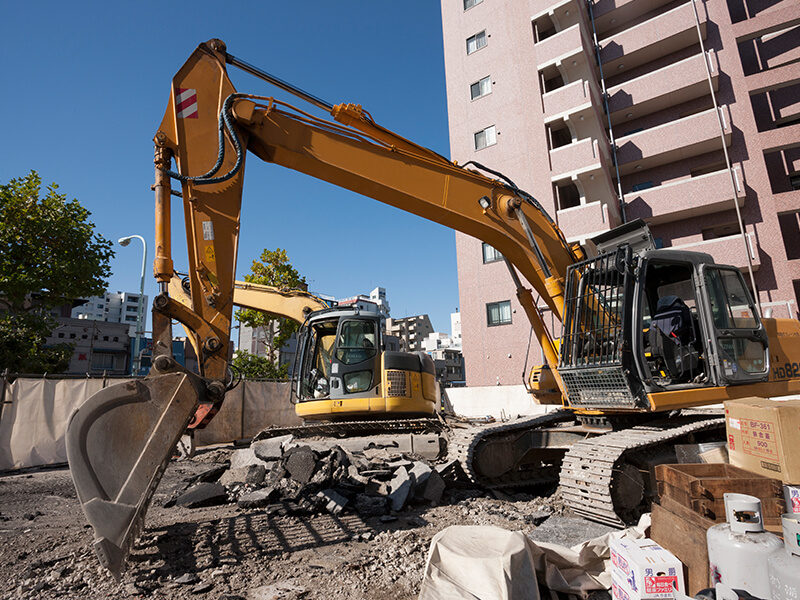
(590, 102)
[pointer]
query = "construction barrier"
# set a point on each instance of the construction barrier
(34, 412)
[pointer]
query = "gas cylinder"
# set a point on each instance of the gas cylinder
(738, 550)
(784, 567)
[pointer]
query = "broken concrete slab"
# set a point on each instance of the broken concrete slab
(244, 457)
(334, 502)
(256, 499)
(300, 462)
(419, 473)
(378, 488)
(434, 488)
(370, 506)
(203, 494)
(400, 487)
(255, 475)
(272, 448)
(234, 476)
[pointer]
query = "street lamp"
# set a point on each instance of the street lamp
(124, 241)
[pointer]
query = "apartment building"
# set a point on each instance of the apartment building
(411, 332)
(120, 307)
(683, 113)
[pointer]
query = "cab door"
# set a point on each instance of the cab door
(738, 341)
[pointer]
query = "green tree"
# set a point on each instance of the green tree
(49, 255)
(273, 269)
(252, 366)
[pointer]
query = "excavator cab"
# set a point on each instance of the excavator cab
(343, 370)
(657, 320)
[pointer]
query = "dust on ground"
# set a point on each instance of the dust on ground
(228, 553)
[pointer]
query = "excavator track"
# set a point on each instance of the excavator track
(353, 428)
(472, 449)
(605, 478)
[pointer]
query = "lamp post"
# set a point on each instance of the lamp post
(124, 241)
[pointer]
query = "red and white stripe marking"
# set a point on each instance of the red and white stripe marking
(186, 103)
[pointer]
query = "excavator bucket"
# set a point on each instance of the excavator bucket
(118, 444)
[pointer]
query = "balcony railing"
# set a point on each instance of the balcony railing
(562, 45)
(673, 141)
(580, 156)
(669, 86)
(580, 222)
(686, 198)
(666, 33)
(728, 250)
(569, 99)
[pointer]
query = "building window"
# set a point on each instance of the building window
(132, 308)
(476, 42)
(498, 313)
(102, 361)
(133, 298)
(130, 319)
(485, 137)
(480, 88)
(794, 181)
(490, 254)
(470, 3)
(645, 185)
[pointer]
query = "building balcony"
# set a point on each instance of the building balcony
(690, 136)
(687, 198)
(583, 156)
(610, 14)
(677, 83)
(664, 34)
(587, 220)
(729, 250)
(567, 45)
(570, 99)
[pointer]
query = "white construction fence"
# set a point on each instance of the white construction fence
(35, 412)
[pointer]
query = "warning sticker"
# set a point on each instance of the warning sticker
(186, 103)
(660, 584)
(759, 439)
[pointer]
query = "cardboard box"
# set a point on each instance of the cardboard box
(643, 570)
(764, 436)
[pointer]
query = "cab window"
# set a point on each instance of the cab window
(357, 342)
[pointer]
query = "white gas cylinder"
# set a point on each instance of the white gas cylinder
(738, 550)
(784, 567)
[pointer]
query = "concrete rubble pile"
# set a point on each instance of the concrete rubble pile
(288, 476)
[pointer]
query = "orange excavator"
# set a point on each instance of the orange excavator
(646, 333)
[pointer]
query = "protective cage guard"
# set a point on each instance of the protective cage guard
(595, 335)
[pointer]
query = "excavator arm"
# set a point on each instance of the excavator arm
(121, 439)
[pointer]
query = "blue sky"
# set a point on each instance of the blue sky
(85, 85)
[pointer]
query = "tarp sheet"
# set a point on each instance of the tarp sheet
(34, 417)
(489, 563)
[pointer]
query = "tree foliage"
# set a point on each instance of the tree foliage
(252, 366)
(273, 269)
(49, 255)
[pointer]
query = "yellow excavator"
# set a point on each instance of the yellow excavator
(343, 369)
(646, 333)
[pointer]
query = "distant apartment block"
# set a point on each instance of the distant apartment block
(683, 113)
(98, 346)
(411, 331)
(115, 308)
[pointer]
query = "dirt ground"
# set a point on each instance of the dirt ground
(228, 553)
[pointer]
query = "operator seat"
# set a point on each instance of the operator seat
(672, 339)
